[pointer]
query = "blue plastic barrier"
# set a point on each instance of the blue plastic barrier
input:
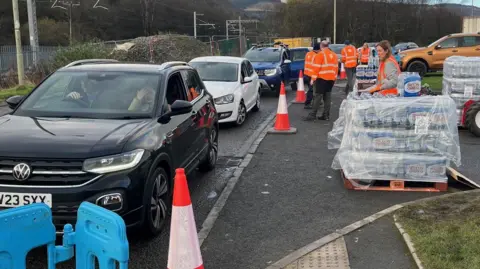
(99, 233)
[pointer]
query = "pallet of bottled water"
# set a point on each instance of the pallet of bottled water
(461, 81)
(410, 139)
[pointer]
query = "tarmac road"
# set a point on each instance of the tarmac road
(205, 189)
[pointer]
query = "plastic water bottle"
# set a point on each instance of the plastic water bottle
(411, 84)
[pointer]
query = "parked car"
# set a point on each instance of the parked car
(405, 46)
(108, 133)
(337, 48)
(233, 83)
(431, 58)
(298, 64)
(272, 65)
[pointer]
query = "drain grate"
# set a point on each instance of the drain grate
(331, 256)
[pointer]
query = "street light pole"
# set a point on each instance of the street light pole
(32, 29)
(195, 24)
(240, 34)
(334, 21)
(226, 28)
(18, 42)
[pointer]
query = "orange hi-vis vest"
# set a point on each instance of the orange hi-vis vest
(309, 57)
(365, 54)
(381, 75)
(326, 65)
(349, 56)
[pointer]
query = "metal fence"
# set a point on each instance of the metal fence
(8, 56)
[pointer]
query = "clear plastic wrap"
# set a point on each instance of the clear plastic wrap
(461, 81)
(412, 139)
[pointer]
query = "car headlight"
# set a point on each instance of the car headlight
(270, 72)
(226, 99)
(113, 163)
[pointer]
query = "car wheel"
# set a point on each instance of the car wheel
(419, 67)
(210, 160)
(242, 114)
(256, 108)
(472, 119)
(294, 86)
(157, 201)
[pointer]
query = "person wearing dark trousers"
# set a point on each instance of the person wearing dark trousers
(349, 59)
(324, 76)
(309, 58)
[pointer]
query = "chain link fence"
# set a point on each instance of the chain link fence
(8, 56)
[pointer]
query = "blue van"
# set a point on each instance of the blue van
(272, 65)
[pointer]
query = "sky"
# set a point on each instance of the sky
(467, 2)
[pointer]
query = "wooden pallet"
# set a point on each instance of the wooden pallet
(395, 185)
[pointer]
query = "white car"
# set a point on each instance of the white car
(233, 83)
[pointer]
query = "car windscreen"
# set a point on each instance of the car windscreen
(93, 94)
(263, 55)
(213, 71)
(298, 55)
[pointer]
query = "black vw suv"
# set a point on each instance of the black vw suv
(109, 133)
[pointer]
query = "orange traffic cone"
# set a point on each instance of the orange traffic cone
(301, 96)
(282, 123)
(184, 250)
(343, 74)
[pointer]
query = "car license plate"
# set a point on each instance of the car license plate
(12, 199)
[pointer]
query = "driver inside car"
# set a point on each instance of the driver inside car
(85, 92)
(143, 100)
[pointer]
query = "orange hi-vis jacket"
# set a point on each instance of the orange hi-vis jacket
(349, 56)
(309, 57)
(325, 65)
(381, 75)
(364, 55)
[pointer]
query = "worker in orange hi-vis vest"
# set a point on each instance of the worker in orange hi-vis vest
(349, 59)
(388, 71)
(309, 65)
(364, 54)
(324, 76)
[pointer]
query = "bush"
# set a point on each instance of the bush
(77, 52)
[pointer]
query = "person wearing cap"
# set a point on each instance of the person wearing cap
(349, 59)
(309, 67)
(324, 76)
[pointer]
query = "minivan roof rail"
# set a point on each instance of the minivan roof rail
(91, 61)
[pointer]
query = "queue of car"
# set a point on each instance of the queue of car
(113, 133)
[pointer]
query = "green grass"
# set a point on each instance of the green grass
(19, 90)
(445, 232)
(434, 80)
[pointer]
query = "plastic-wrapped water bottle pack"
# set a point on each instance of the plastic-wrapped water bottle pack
(413, 139)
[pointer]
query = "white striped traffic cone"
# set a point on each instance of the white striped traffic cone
(282, 123)
(301, 96)
(184, 250)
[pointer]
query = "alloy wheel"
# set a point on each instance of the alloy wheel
(158, 201)
(242, 114)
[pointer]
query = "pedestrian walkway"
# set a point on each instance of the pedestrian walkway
(288, 197)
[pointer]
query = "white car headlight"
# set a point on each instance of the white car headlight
(113, 163)
(226, 99)
(270, 72)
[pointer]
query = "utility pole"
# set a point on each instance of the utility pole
(334, 21)
(195, 24)
(32, 29)
(472, 8)
(18, 42)
(226, 28)
(240, 33)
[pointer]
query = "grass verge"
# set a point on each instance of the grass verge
(19, 90)
(445, 232)
(434, 80)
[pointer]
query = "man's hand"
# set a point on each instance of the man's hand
(141, 94)
(74, 96)
(311, 82)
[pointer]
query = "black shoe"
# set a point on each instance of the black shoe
(324, 118)
(309, 118)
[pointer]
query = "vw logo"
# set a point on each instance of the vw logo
(21, 171)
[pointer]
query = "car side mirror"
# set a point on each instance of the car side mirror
(438, 47)
(179, 107)
(13, 101)
(247, 80)
(287, 61)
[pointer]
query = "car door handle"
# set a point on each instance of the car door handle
(454, 50)
(477, 49)
(194, 113)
